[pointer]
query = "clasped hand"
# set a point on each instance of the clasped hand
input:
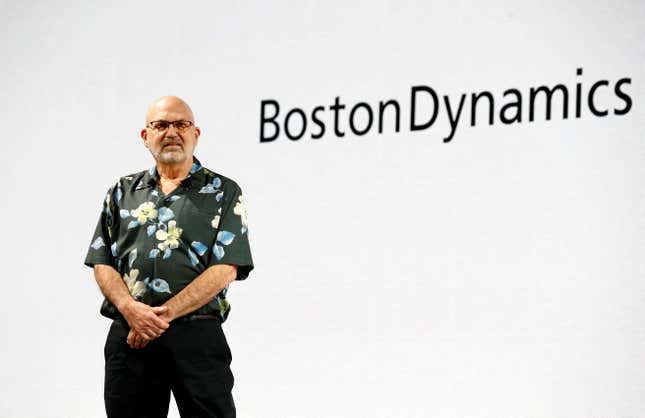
(146, 323)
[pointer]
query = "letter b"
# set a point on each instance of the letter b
(271, 120)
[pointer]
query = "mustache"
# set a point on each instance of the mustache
(174, 141)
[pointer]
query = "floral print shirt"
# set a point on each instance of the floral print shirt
(160, 243)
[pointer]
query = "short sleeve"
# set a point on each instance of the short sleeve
(232, 240)
(102, 248)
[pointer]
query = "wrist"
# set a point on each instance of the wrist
(171, 312)
(124, 306)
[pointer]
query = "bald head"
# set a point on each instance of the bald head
(166, 106)
(169, 142)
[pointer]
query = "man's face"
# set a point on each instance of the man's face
(168, 143)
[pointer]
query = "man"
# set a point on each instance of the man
(168, 243)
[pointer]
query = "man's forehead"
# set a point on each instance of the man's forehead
(167, 106)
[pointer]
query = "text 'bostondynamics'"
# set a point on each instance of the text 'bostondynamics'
(601, 98)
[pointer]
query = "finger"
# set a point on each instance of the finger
(160, 323)
(155, 331)
(140, 343)
(159, 309)
(145, 332)
(130, 339)
(148, 334)
(151, 320)
(143, 343)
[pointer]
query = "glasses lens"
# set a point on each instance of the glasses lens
(159, 125)
(182, 124)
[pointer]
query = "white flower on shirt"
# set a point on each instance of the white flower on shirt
(144, 212)
(137, 289)
(240, 210)
(170, 236)
(215, 221)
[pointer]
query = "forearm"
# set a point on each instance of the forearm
(201, 290)
(112, 286)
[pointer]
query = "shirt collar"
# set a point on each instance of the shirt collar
(151, 176)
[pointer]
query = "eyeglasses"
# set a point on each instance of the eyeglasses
(162, 125)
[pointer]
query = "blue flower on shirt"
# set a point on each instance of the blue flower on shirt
(223, 238)
(193, 258)
(98, 243)
(158, 285)
(199, 249)
(166, 214)
(118, 193)
(214, 187)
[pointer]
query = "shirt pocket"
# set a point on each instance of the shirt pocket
(198, 219)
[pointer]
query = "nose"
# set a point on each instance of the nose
(171, 128)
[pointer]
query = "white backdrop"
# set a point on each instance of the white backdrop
(498, 275)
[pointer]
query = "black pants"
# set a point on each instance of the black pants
(191, 358)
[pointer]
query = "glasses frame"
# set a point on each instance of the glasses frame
(169, 123)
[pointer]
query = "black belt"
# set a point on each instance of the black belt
(185, 318)
(192, 317)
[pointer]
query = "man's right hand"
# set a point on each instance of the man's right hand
(145, 319)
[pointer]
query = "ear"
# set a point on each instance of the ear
(144, 136)
(198, 132)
